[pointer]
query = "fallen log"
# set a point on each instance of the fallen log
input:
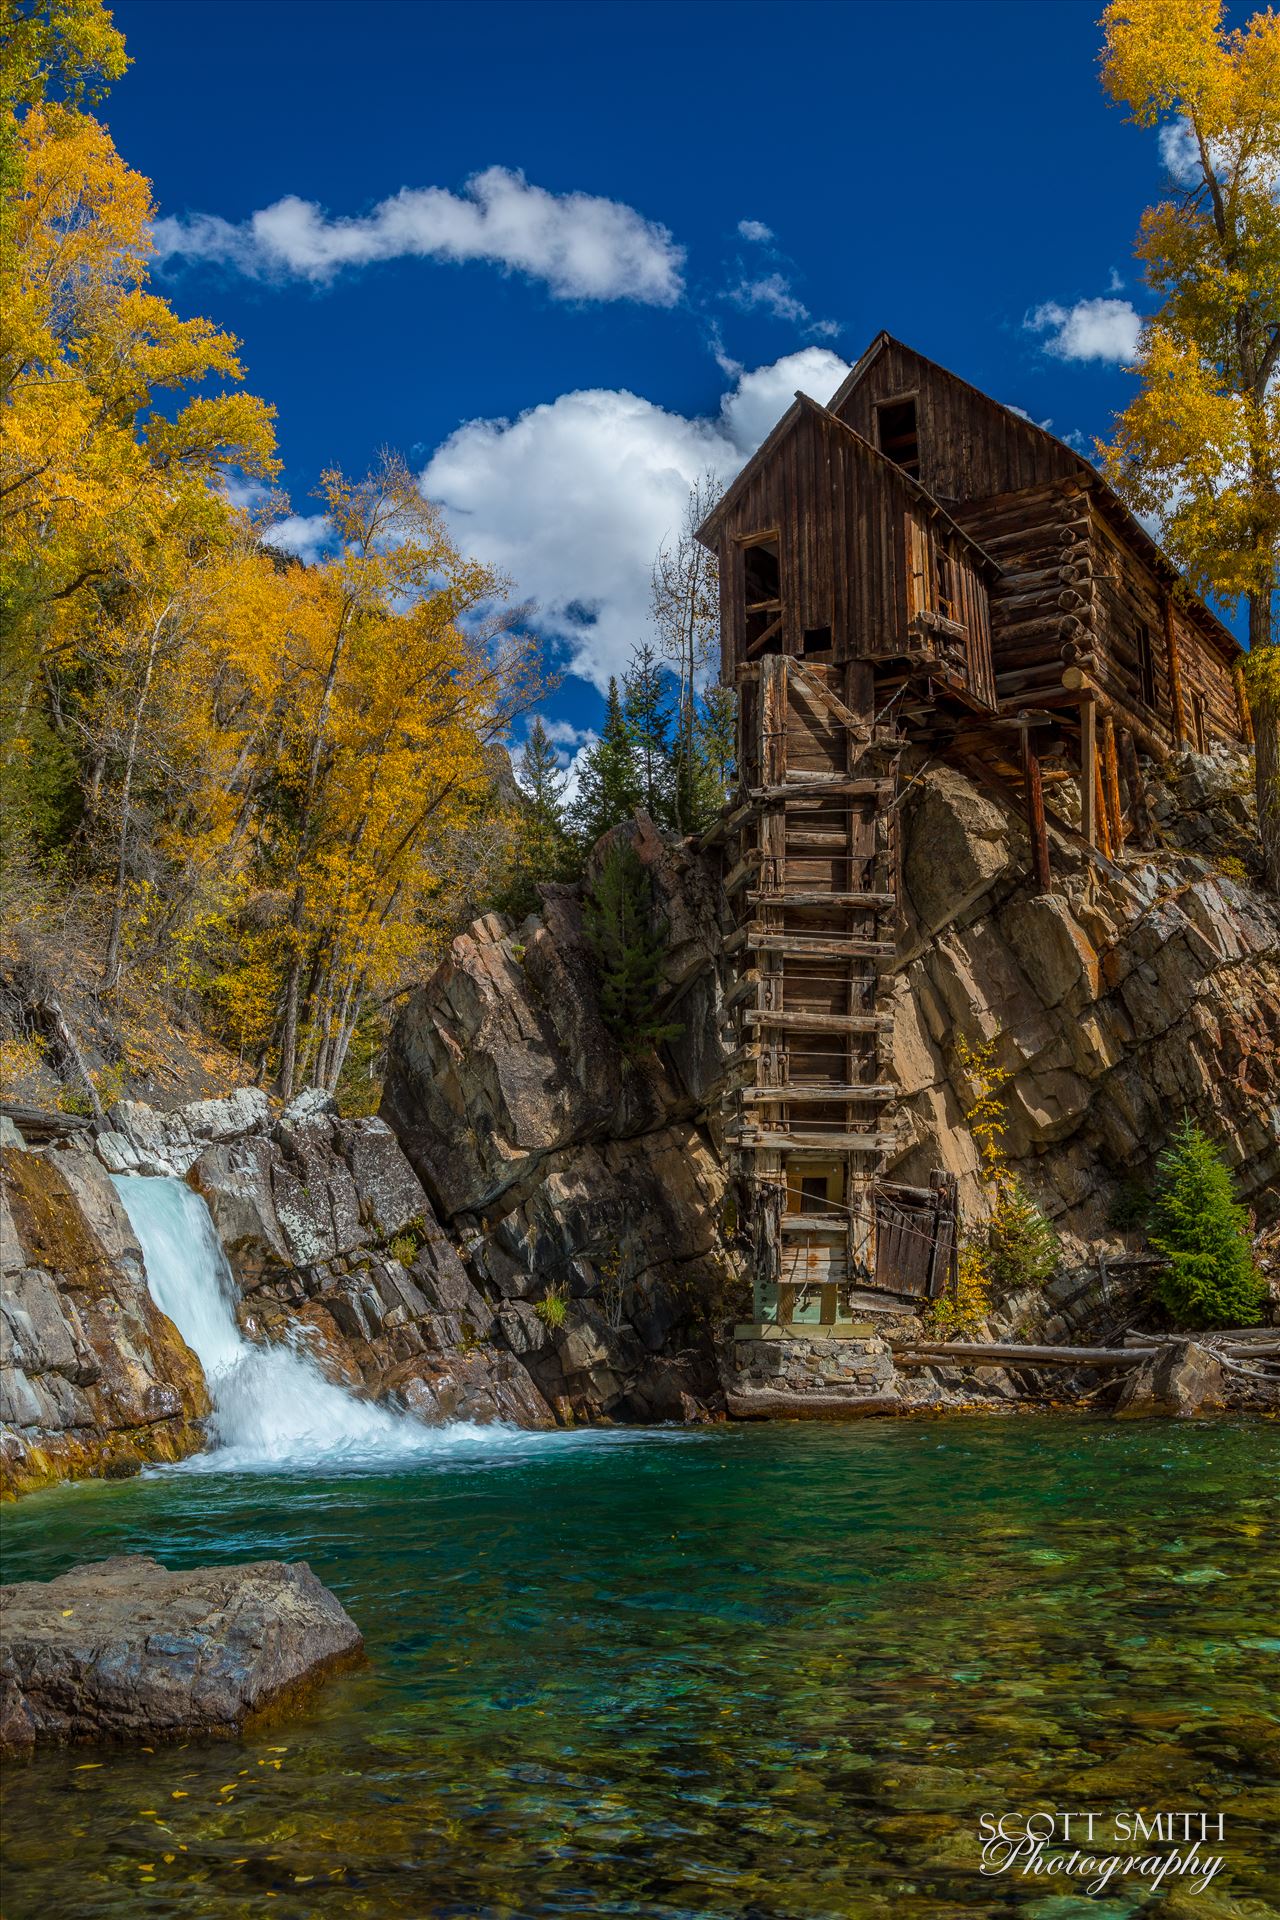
(33, 1123)
(941, 1353)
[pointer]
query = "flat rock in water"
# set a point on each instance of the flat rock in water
(124, 1649)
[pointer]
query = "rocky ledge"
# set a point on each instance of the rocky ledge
(124, 1649)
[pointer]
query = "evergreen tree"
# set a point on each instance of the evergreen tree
(609, 787)
(703, 759)
(627, 943)
(542, 779)
(1198, 1224)
(649, 718)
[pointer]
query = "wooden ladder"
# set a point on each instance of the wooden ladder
(811, 878)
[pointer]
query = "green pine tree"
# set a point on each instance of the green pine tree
(609, 787)
(627, 942)
(1198, 1224)
(703, 758)
(644, 705)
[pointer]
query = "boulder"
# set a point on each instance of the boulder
(125, 1650)
(1183, 1379)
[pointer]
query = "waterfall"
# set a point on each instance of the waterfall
(273, 1408)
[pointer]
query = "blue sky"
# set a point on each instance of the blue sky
(562, 255)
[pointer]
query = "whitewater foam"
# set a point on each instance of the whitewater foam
(274, 1410)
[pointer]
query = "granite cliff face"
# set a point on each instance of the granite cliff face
(541, 1227)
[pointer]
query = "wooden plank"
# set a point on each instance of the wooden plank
(818, 691)
(795, 1020)
(1111, 782)
(815, 787)
(802, 1095)
(830, 1223)
(796, 897)
(876, 1143)
(780, 940)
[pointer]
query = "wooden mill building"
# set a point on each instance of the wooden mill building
(913, 565)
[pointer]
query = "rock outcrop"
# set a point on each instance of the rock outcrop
(584, 1184)
(1137, 989)
(326, 1224)
(93, 1378)
(124, 1650)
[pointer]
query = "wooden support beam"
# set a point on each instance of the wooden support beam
(1243, 711)
(1100, 810)
(796, 1020)
(1035, 814)
(1175, 671)
(1111, 782)
(820, 694)
(815, 1223)
(1089, 772)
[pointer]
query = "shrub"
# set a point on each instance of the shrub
(553, 1306)
(1023, 1248)
(1212, 1279)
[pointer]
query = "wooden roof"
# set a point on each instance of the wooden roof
(804, 404)
(1108, 499)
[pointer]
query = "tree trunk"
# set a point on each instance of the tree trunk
(111, 965)
(1264, 700)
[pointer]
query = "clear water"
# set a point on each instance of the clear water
(737, 1674)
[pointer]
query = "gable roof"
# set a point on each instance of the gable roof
(804, 405)
(1108, 499)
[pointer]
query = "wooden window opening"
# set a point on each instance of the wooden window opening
(897, 433)
(762, 595)
(816, 641)
(943, 582)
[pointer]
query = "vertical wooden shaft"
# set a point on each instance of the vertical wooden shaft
(1175, 671)
(1111, 782)
(1035, 813)
(1100, 810)
(1089, 772)
(1242, 704)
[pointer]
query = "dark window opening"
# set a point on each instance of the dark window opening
(944, 593)
(762, 593)
(816, 640)
(897, 434)
(813, 1188)
(1146, 667)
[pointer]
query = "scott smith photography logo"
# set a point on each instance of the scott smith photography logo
(1100, 1848)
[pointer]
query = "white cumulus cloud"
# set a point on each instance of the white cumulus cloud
(584, 247)
(755, 230)
(573, 498)
(1100, 329)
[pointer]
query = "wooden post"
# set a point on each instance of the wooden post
(1035, 814)
(1111, 782)
(1100, 810)
(1175, 671)
(1089, 772)
(1137, 792)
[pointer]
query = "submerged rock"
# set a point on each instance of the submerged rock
(124, 1649)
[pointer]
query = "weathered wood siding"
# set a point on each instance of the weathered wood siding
(855, 553)
(969, 446)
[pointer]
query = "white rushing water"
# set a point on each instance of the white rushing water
(273, 1408)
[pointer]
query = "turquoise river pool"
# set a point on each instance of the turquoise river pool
(775, 1673)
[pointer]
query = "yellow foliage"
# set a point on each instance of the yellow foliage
(1200, 442)
(264, 774)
